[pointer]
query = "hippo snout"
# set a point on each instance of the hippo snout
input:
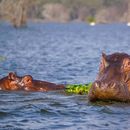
(103, 90)
(104, 85)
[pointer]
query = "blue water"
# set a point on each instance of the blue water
(60, 53)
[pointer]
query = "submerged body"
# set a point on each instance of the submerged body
(113, 80)
(12, 82)
(29, 84)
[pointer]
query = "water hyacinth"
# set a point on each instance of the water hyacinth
(78, 88)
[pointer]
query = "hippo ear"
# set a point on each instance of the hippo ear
(104, 63)
(12, 76)
(104, 55)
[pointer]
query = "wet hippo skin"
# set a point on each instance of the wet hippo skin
(113, 80)
(29, 84)
(10, 82)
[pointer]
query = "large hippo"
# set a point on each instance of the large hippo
(113, 80)
(29, 84)
(10, 82)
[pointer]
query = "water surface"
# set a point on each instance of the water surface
(60, 53)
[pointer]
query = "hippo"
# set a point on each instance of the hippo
(10, 82)
(29, 84)
(113, 79)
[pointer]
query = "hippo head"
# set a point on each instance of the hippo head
(113, 80)
(26, 81)
(11, 82)
(12, 76)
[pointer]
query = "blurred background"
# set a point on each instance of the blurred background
(18, 12)
(69, 53)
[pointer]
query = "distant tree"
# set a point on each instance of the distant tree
(19, 19)
(15, 11)
(55, 12)
(112, 2)
(19, 11)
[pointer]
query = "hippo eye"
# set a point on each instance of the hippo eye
(28, 80)
(128, 63)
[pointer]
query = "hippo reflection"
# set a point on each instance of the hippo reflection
(113, 80)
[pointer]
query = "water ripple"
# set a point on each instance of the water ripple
(60, 53)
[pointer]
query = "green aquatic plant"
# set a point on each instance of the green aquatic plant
(2, 58)
(78, 88)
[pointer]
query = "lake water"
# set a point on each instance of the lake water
(60, 53)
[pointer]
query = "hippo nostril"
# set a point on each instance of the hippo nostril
(113, 85)
(102, 85)
(97, 84)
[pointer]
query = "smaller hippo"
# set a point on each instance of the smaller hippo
(29, 84)
(10, 82)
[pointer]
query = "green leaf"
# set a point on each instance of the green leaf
(78, 88)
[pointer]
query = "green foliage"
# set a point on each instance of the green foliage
(2, 58)
(82, 10)
(78, 88)
(91, 19)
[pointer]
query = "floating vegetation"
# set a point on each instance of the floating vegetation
(78, 88)
(2, 58)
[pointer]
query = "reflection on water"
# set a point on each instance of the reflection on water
(60, 53)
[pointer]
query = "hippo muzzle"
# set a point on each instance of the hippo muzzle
(109, 91)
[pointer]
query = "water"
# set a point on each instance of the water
(60, 53)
